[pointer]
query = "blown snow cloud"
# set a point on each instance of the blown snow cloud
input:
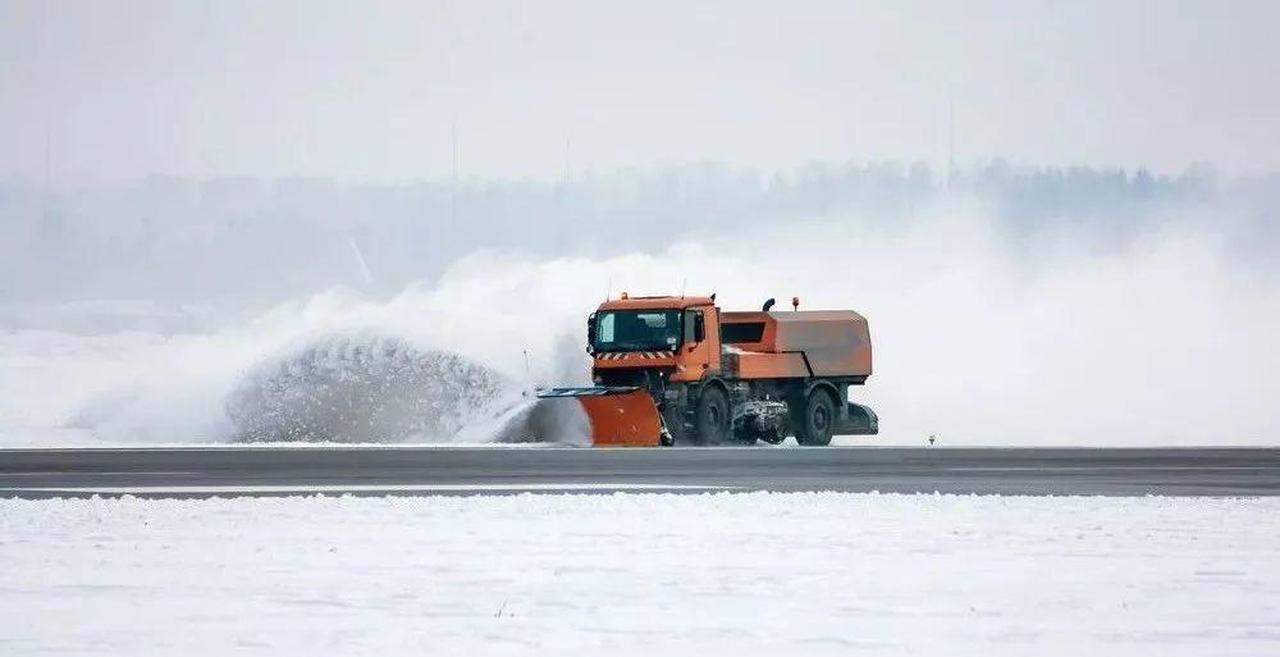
(1164, 341)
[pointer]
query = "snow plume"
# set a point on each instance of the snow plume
(533, 420)
(457, 361)
(364, 388)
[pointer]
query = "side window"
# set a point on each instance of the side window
(606, 328)
(690, 321)
(742, 332)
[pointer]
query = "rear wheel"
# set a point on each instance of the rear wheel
(816, 421)
(711, 420)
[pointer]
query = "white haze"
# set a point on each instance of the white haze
(1167, 338)
(403, 88)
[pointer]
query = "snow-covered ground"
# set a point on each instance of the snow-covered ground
(779, 574)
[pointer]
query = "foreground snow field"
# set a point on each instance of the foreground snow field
(642, 575)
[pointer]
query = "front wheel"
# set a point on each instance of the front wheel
(711, 421)
(816, 420)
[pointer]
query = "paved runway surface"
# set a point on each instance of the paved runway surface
(233, 471)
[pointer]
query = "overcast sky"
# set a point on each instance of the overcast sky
(373, 91)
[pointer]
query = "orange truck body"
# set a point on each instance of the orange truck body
(705, 377)
(811, 343)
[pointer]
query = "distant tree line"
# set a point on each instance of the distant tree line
(175, 240)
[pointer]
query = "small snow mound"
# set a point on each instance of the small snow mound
(362, 388)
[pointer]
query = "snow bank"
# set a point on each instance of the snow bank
(812, 574)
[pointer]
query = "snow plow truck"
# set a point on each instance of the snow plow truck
(680, 371)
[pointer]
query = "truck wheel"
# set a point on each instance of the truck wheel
(816, 420)
(712, 419)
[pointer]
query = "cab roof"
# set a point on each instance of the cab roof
(656, 303)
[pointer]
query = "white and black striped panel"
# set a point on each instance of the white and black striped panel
(646, 355)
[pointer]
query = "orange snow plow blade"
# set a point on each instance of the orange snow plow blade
(619, 416)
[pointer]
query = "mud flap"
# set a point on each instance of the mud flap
(858, 420)
(619, 416)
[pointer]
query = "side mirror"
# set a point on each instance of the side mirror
(699, 328)
(591, 333)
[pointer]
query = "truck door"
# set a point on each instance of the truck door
(700, 350)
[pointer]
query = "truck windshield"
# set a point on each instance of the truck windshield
(637, 330)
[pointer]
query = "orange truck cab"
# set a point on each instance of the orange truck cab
(735, 377)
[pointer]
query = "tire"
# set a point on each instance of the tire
(711, 421)
(816, 420)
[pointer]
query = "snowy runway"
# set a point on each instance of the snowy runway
(642, 575)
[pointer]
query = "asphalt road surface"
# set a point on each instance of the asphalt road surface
(237, 471)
